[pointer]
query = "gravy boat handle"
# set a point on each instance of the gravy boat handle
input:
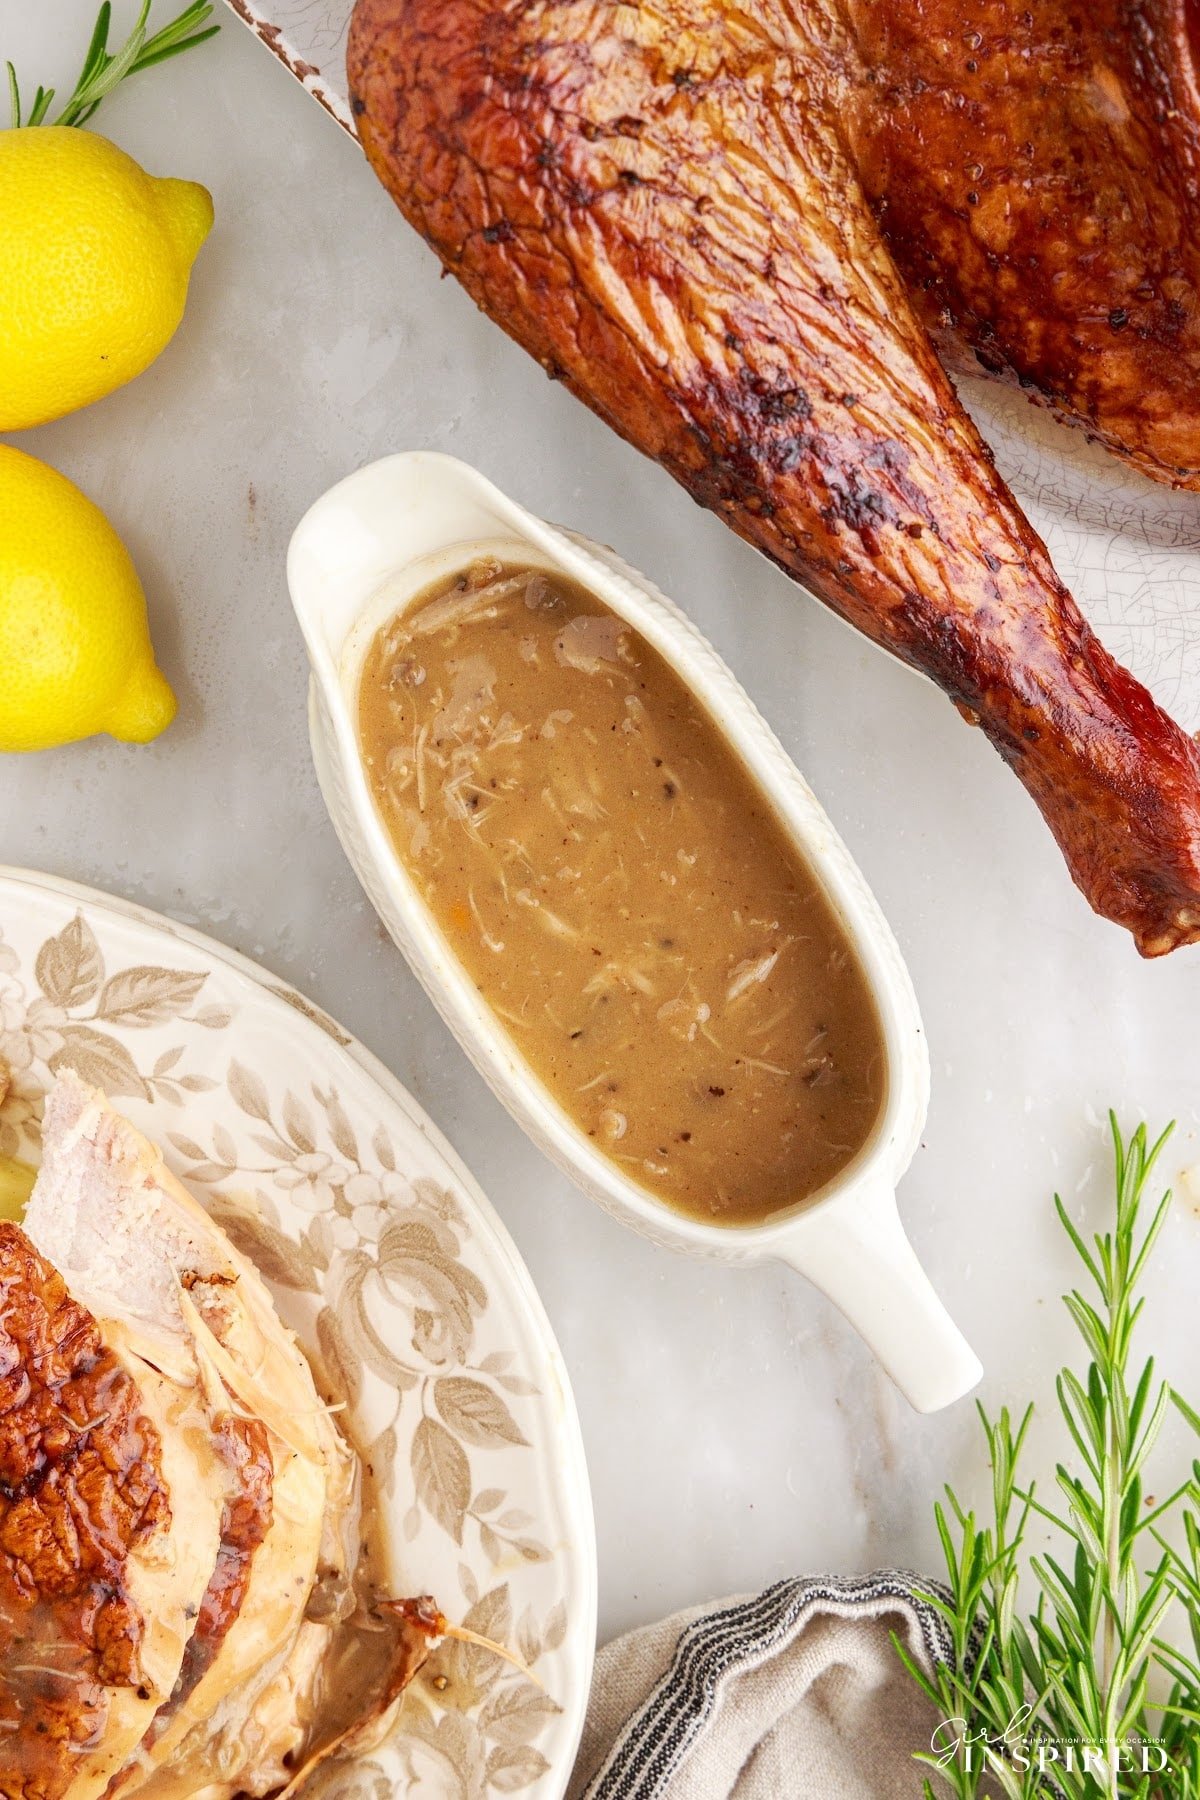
(856, 1251)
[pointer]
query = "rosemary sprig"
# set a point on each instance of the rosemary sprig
(103, 70)
(1083, 1698)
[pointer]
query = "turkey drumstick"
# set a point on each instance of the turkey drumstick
(659, 202)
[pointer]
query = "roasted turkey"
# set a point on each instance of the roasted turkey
(109, 1520)
(1035, 171)
(662, 202)
(180, 1520)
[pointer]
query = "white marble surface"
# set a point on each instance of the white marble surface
(736, 1429)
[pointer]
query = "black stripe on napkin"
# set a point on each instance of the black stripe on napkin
(655, 1739)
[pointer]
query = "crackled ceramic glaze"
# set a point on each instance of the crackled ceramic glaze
(309, 38)
(388, 1263)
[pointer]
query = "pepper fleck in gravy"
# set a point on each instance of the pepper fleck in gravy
(621, 893)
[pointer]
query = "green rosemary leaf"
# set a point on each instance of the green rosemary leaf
(927, 1687)
(1076, 1239)
(180, 34)
(1028, 1659)
(102, 70)
(1084, 1420)
(188, 20)
(1075, 1702)
(930, 1598)
(1140, 1399)
(149, 58)
(97, 50)
(40, 107)
(1193, 1534)
(1088, 1320)
(1175, 1707)
(1189, 1413)
(1148, 1624)
(1164, 1507)
(1118, 1149)
(1038, 1506)
(948, 1549)
(1143, 1256)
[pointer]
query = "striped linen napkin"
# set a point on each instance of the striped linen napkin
(792, 1693)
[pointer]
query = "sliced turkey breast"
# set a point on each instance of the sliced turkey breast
(263, 1651)
(133, 1243)
(111, 1495)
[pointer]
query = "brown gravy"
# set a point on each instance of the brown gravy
(621, 893)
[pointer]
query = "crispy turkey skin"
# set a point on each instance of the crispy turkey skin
(1035, 171)
(81, 1489)
(660, 202)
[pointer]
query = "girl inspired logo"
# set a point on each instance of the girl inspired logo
(953, 1743)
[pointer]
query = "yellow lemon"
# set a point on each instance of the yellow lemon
(75, 655)
(16, 1185)
(94, 262)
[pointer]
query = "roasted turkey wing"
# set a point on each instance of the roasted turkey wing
(1036, 173)
(659, 202)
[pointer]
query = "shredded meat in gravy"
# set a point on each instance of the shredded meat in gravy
(621, 893)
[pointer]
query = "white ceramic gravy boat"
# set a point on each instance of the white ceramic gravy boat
(370, 546)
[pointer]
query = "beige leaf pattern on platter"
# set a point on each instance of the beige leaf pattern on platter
(442, 1475)
(474, 1412)
(69, 966)
(147, 996)
(99, 1059)
(276, 1257)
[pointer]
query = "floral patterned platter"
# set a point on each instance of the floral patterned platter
(391, 1266)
